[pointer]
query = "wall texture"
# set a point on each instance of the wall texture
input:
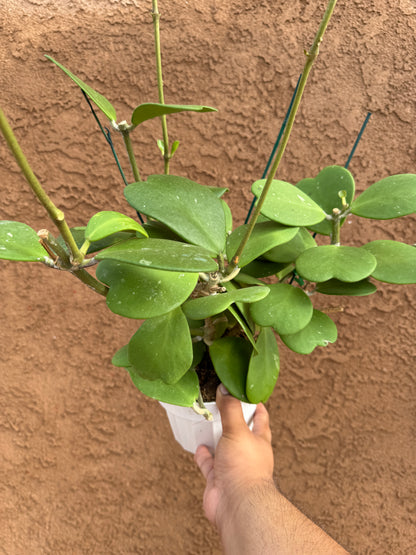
(87, 464)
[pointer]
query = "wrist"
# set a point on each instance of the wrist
(240, 501)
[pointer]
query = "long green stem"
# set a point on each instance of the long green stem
(125, 131)
(56, 215)
(310, 58)
(156, 19)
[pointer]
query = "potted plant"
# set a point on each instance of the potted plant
(214, 299)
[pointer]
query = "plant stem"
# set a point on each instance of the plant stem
(125, 131)
(310, 58)
(156, 18)
(56, 215)
(90, 281)
(64, 263)
(336, 227)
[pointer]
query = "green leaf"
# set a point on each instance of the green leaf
(244, 308)
(104, 224)
(263, 369)
(288, 252)
(392, 197)
(265, 236)
(355, 289)
(150, 110)
(396, 262)
(287, 309)
(175, 146)
(228, 217)
(121, 358)
(137, 292)
(245, 279)
(263, 268)
(78, 234)
(101, 102)
(161, 349)
(157, 230)
(189, 209)
(287, 204)
(18, 241)
(161, 146)
(218, 191)
(244, 326)
(204, 307)
(320, 331)
(332, 261)
(199, 350)
(162, 254)
(230, 357)
(324, 190)
(182, 393)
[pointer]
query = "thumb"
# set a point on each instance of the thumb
(231, 412)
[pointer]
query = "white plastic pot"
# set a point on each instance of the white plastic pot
(191, 429)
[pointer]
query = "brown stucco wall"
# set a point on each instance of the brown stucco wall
(87, 464)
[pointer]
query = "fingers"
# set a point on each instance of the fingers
(204, 460)
(261, 425)
(231, 412)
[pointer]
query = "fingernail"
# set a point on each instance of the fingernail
(223, 389)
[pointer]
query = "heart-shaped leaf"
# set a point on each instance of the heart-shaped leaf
(104, 224)
(392, 197)
(137, 292)
(150, 110)
(18, 241)
(182, 393)
(265, 236)
(204, 307)
(396, 262)
(121, 357)
(333, 261)
(288, 252)
(320, 331)
(161, 349)
(189, 209)
(324, 189)
(287, 204)
(162, 254)
(263, 369)
(287, 309)
(99, 100)
(355, 289)
(230, 357)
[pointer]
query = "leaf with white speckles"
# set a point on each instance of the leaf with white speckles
(137, 292)
(391, 197)
(287, 204)
(18, 241)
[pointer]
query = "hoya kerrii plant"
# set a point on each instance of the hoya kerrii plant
(215, 299)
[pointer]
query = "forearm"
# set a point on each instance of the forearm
(265, 522)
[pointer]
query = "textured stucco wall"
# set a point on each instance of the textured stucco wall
(87, 464)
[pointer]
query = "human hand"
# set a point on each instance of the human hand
(243, 459)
